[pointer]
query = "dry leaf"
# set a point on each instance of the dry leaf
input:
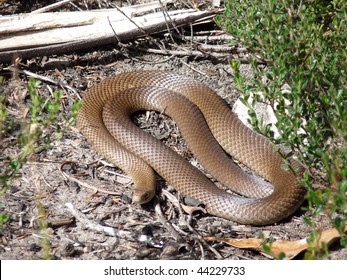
(289, 248)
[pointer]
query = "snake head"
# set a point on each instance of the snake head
(142, 196)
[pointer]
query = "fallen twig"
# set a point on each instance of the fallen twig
(183, 53)
(45, 79)
(95, 226)
(73, 179)
(52, 6)
(208, 38)
(165, 223)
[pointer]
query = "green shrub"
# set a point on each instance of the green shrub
(27, 136)
(303, 44)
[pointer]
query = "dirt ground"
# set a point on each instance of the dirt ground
(158, 230)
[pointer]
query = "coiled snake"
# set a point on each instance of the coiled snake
(207, 124)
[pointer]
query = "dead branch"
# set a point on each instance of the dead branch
(30, 35)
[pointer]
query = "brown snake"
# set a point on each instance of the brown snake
(207, 124)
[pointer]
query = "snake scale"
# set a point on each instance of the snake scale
(210, 129)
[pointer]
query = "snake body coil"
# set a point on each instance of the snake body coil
(207, 124)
